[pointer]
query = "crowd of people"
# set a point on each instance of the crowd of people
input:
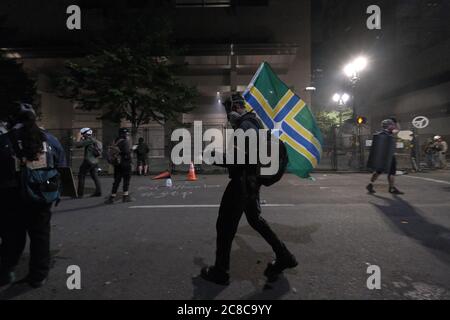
(30, 185)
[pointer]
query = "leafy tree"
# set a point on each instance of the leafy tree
(15, 85)
(133, 79)
(326, 120)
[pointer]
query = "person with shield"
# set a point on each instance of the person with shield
(382, 156)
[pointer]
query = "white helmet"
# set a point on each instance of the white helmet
(86, 131)
(436, 138)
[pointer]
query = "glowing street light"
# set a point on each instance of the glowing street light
(354, 68)
(360, 64)
(341, 99)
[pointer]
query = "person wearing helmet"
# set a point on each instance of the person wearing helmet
(441, 147)
(25, 146)
(90, 161)
(382, 155)
(122, 169)
(242, 196)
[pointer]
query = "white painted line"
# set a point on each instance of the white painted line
(306, 206)
(196, 206)
(428, 179)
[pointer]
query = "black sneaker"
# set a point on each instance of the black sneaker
(7, 278)
(35, 282)
(110, 200)
(211, 274)
(277, 267)
(126, 199)
(394, 190)
(370, 189)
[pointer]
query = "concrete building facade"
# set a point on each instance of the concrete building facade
(224, 41)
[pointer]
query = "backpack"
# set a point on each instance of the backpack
(113, 156)
(97, 148)
(142, 149)
(283, 158)
(39, 181)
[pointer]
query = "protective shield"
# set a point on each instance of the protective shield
(381, 153)
(67, 183)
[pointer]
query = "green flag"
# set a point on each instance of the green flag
(288, 117)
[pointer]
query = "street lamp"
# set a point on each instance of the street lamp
(341, 99)
(353, 72)
(354, 69)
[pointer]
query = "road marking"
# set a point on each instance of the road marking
(429, 179)
(195, 206)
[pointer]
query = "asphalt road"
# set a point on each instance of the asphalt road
(151, 250)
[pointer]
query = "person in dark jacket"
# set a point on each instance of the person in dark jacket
(90, 162)
(242, 195)
(122, 169)
(382, 156)
(142, 151)
(31, 146)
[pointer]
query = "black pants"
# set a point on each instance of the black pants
(18, 221)
(122, 171)
(85, 168)
(392, 170)
(236, 201)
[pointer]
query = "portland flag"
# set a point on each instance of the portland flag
(288, 117)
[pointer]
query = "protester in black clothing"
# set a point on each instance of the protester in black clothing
(242, 195)
(382, 156)
(122, 167)
(89, 165)
(26, 148)
(413, 154)
(142, 151)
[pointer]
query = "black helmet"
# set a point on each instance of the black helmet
(123, 132)
(237, 100)
(233, 101)
(385, 124)
(21, 112)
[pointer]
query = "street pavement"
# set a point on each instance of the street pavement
(155, 247)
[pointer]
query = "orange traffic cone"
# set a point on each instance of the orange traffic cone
(163, 175)
(191, 175)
